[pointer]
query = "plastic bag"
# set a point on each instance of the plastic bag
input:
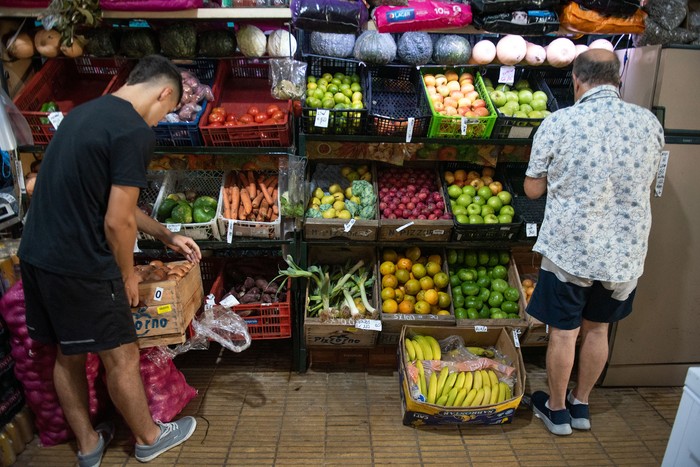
(420, 15)
(506, 6)
(292, 170)
(376, 3)
(693, 21)
(655, 34)
(288, 78)
(519, 22)
(224, 326)
(167, 391)
(34, 364)
(611, 7)
(669, 14)
(343, 16)
(576, 18)
(12, 120)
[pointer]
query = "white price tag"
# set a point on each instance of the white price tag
(661, 174)
(409, 129)
(175, 228)
(481, 329)
(405, 226)
(229, 232)
(348, 226)
(531, 230)
(55, 118)
(521, 132)
(158, 294)
(463, 126)
(229, 301)
(369, 324)
(516, 335)
(322, 117)
(506, 75)
(210, 299)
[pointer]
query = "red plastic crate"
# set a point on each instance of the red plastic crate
(68, 83)
(237, 86)
(264, 320)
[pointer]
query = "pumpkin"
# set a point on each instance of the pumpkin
(332, 45)
(535, 55)
(375, 48)
(415, 48)
(281, 44)
(483, 52)
(48, 42)
(511, 49)
(452, 50)
(251, 41)
(561, 52)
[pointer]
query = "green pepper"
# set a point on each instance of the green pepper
(48, 107)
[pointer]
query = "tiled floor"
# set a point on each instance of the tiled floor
(253, 410)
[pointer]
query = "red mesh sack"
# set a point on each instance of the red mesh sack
(166, 389)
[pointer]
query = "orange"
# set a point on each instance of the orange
(425, 283)
(434, 309)
(418, 270)
(422, 260)
(443, 313)
(390, 255)
(409, 298)
(422, 307)
(413, 253)
(432, 268)
(441, 280)
(406, 307)
(444, 300)
(420, 296)
(388, 293)
(390, 306)
(402, 275)
(404, 263)
(386, 268)
(412, 287)
(431, 296)
(398, 295)
(390, 281)
(435, 259)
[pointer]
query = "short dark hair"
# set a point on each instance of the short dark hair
(592, 69)
(154, 68)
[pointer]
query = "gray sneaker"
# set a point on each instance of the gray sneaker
(94, 458)
(171, 435)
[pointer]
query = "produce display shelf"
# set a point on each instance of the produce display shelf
(283, 13)
(222, 245)
(224, 151)
(402, 139)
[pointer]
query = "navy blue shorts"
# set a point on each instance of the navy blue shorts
(81, 315)
(563, 305)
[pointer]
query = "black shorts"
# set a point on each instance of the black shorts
(563, 305)
(81, 315)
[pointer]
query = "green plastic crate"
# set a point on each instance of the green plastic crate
(443, 126)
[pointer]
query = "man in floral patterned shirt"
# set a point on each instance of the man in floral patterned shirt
(596, 161)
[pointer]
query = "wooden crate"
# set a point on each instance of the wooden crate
(167, 308)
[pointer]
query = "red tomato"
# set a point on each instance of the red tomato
(259, 118)
(296, 106)
(230, 123)
(246, 118)
(218, 110)
(216, 124)
(271, 109)
(231, 118)
(270, 121)
(253, 111)
(279, 115)
(216, 117)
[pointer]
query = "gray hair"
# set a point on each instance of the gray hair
(597, 67)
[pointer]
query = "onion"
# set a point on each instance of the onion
(22, 47)
(75, 49)
(48, 43)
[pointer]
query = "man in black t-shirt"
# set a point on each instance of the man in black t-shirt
(77, 254)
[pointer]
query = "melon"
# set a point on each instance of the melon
(601, 44)
(251, 41)
(281, 44)
(483, 52)
(561, 52)
(535, 55)
(511, 49)
(580, 48)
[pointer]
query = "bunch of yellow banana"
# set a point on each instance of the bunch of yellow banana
(422, 348)
(482, 352)
(462, 389)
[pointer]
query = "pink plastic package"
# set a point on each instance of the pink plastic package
(422, 15)
(34, 363)
(150, 5)
(166, 389)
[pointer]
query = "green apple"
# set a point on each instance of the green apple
(459, 210)
(539, 95)
(484, 192)
(525, 96)
(469, 190)
(546, 113)
(479, 200)
(511, 96)
(520, 114)
(487, 82)
(454, 191)
(505, 111)
(462, 218)
(507, 210)
(525, 108)
(502, 87)
(505, 197)
(495, 202)
(476, 219)
(490, 219)
(535, 114)
(512, 106)
(486, 210)
(521, 84)
(505, 219)
(498, 98)
(538, 104)
(474, 209)
(464, 200)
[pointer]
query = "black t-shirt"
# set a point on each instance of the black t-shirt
(101, 143)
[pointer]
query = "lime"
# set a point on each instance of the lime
(470, 289)
(499, 285)
(495, 299)
(499, 272)
(510, 307)
(472, 313)
(504, 257)
(484, 312)
(461, 313)
(484, 282)
(511, 294)
(458, 300)
(484, 294)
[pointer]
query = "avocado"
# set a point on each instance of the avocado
(165, 208)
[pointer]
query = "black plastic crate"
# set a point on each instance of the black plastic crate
(560, 84)
(478, 232)
(531, 210)
(513, 127)
(397, 95)
(187, 133)
(341, 121)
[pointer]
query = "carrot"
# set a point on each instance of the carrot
(251, 185)
(275, 209)
(247, 204)
(266, 194)
(264, 206)
(235, 201)
(227, 206)
(274, 197)
(271, 181)
(256, 201)
(270, 212)
(242, 179)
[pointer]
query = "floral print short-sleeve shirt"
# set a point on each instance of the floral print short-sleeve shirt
(600, 158)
